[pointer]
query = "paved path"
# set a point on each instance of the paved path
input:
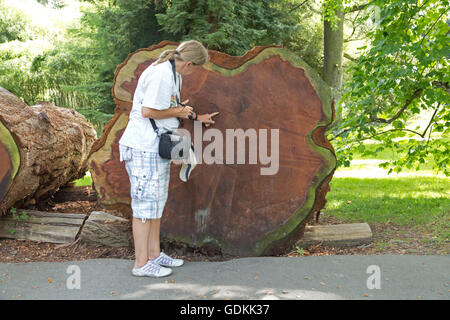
(323, 277)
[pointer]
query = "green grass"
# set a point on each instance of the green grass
(400, 200)
(364, 192)
(85, 181)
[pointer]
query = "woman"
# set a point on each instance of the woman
(156, 97)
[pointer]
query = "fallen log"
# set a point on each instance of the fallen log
(42, 147)
(232, 205)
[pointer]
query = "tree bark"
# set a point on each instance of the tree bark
(42, 226)
(333, 50)
(230, 205)
(41, 148)
(333, 53)
(103, 229)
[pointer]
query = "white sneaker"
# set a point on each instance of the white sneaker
(151, 269)
(186, 168)
(166, 261)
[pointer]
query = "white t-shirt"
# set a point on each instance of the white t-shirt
(155, 89)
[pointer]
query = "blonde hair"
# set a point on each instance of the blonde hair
(191, 50)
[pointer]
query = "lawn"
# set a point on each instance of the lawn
(418, 202)
(401, 200)
(85, 181)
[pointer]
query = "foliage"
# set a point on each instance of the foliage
(56, 4)
(307, 40)
(76, 70)
(17, 217)
(13, 25)
(228, 26)
(401, 77)
(109, 31)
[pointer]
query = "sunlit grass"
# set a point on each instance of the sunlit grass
(85, 181)
(401, 200)
(369, 168)
(417, 199)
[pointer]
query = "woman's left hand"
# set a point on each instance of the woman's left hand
(207, 118)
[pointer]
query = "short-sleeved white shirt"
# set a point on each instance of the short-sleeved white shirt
(155, 89)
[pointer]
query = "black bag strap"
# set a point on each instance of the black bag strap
(172, 62)
(154, 125)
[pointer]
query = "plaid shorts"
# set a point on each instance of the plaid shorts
(149, 176)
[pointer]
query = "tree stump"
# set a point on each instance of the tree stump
(41, 148)
(233, 206)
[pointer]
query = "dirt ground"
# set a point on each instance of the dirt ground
(387, 239)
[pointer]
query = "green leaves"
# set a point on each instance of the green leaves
(393, 91)
(228, 26)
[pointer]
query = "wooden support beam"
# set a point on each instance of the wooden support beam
(41, 226)
(337, 235)
(104, 229)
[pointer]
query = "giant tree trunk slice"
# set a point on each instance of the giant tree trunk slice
(233, 206)
(42, 147)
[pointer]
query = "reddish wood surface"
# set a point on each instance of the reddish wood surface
(5, 170)
(234, 206)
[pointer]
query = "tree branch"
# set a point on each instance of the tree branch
(298, 6)
(422, 135)
(349, 57)
(431, 120)
(414, 96)
(441, 84)
(432, 26)
(357, 8)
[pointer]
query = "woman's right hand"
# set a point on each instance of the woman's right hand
(184, 111)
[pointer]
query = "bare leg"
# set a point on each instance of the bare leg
(153, 240)
(141, 232)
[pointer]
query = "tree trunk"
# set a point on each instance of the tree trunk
(234, 206)
(41, 148)
(333, 53)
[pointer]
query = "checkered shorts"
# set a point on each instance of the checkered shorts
(149, 176)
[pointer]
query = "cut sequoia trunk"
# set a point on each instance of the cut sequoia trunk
(237, 207)
(42, 147)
